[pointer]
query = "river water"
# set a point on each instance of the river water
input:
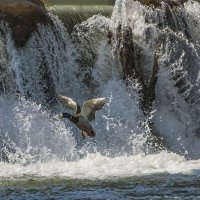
(45, 158)
(162, 176)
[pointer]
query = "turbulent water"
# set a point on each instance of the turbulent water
(43, 158)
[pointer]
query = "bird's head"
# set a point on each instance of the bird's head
(92, 133)
(64, 115)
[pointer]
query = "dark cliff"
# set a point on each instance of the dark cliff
(22, 17)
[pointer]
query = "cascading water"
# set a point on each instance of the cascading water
(86, 64)
(169, 32)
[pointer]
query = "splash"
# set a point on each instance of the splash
(96, 166)
(31, 133)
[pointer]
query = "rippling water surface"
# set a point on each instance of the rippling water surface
(158, 186)
(161, 176)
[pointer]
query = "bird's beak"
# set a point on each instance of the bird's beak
(60, 116)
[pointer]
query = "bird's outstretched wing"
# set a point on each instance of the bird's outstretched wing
(91, 106)
(69, 103)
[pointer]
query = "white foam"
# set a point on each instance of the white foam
(96, 166)
(48, 147)
(33, 134)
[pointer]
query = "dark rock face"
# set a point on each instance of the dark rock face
(37, 2)
(130, 52)
(158, 3)
(22, 17)
(130, 56)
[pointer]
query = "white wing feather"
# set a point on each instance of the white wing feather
(91, 106)
(67, 102)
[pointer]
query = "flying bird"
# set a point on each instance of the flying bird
(82, 116)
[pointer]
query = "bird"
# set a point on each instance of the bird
(82, 116)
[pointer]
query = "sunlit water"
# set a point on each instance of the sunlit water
(44, 158)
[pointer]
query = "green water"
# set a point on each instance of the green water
(160, 186)
(75, 14)
(79, 2)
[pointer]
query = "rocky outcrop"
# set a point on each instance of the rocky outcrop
(130, 56)
(158, 3)
(22, 17)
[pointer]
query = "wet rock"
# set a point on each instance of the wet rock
(22, 17)
(130, 57)
(159, 3)
(129, 54)
(155, 3)
(37, 2)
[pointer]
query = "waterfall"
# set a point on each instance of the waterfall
(172, 33)
(111, 57)
(37, 70)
